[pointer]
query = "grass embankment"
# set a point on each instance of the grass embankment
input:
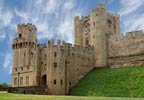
(8, 96)
(118, 82)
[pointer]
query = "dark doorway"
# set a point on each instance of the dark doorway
(44, 80)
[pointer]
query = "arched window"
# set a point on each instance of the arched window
(27, 80)
(54, 81)
(20, 35)
(44, 80)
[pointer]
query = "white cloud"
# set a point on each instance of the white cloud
(134, 23)
(53, 19)
(2, 36)
(37, 2)
(65, 30)
(109, 2)
(129, 6)
(6, 18)
(51, 6)
(1, 4)
(68, 5)
(22, 15)
(132, 18)
(8, 61)
(43, 31)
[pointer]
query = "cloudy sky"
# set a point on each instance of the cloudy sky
(54, 20)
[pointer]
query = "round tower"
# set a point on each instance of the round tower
(98, 38)
(28, 32)
(25, 56)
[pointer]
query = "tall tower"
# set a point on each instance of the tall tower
(24, 71)
(82, 30)
(78, 24)
(98, 36)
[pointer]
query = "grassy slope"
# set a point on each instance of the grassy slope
(7, 96)
(119, 82)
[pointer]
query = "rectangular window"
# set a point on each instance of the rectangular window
(45, 57)
(54, 81)
(55, 54)
(61, 82)
(27, 67)
(55, 64)
(21, 81)
(15, 81)
(114, 27)
(22, 68)
(16, 69)
(20, 35)
(27, 80)
(94, 23)
(87, 42)
(70, 83)
(45, 67)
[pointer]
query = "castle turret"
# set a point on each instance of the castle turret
(98, 38)
(78, 31)
(25, 56)
(27, 31)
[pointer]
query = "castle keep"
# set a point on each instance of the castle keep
(55, 67)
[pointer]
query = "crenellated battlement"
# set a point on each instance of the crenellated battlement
(111, 15)
(24, 25)
(81, 18)
(134, 35)
(65, 46)
(27, 31)
(100, 7)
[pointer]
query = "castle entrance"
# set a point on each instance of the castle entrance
(44, 80)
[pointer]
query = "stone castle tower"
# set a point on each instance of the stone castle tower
(55, 67)
(25, 55)
(95, 30)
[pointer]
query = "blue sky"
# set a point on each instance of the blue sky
(54, 20)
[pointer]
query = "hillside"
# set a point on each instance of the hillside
(107, 82)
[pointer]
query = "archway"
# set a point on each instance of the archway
(44, 80)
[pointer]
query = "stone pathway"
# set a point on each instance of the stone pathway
(3, 91)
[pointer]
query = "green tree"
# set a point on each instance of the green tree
(4, 85)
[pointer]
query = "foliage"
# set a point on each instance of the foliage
(4, 85)
(116, 82)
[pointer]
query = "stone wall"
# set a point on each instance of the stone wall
(126, 50)
(128, 60)
(43, 90)
(72, 63)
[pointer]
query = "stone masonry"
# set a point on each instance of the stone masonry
(58, 66)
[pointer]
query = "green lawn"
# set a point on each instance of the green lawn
(118, 82)
(8, 96)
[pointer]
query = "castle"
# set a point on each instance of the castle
(55, 67)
